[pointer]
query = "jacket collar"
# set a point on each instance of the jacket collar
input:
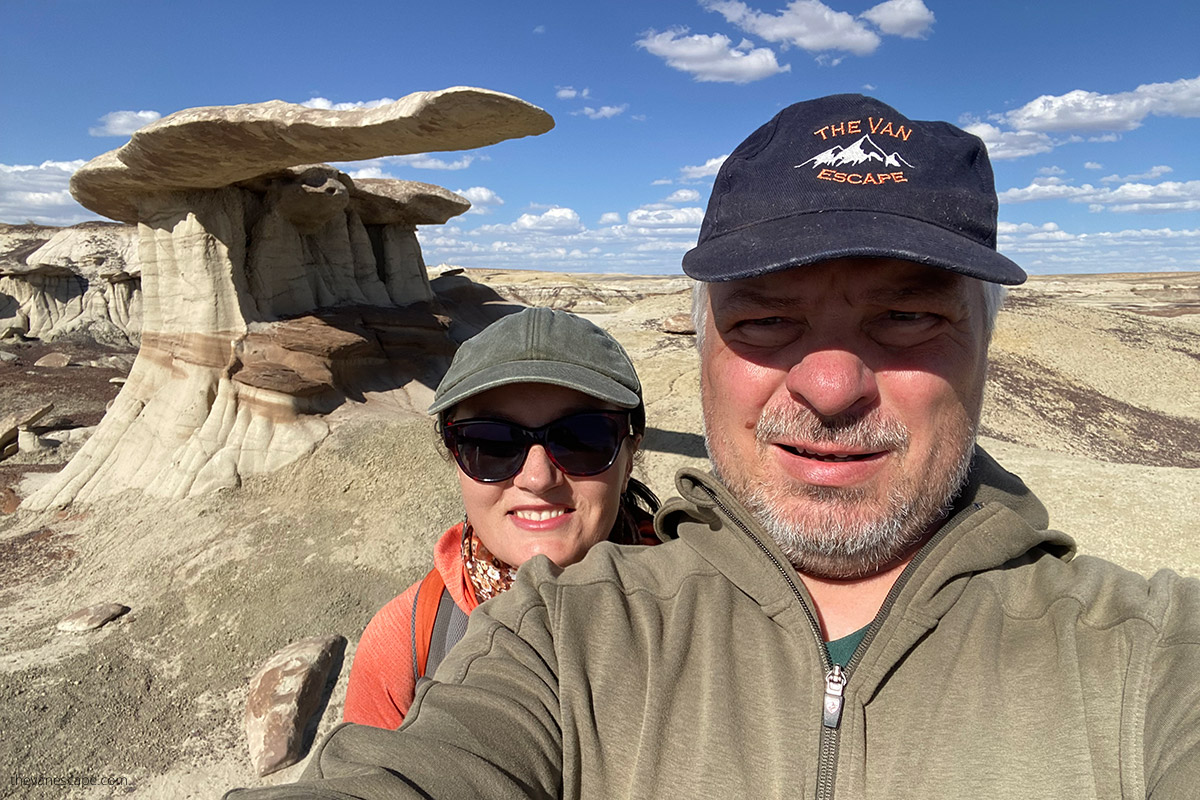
(995, 520)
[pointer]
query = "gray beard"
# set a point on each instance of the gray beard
(844, 533)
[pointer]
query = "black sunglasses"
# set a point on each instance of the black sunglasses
(494, 450)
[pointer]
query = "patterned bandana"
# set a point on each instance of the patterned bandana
(489, 575)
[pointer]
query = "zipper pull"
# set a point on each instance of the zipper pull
(835, 682)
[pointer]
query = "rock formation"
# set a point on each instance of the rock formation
(15, 424)
(273, 288)
(85, 280)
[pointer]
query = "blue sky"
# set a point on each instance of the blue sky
(1091, 110)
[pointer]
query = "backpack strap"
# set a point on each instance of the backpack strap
(438, 624)
(425, 607)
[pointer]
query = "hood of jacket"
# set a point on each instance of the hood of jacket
(995, 520)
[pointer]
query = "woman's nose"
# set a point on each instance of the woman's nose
(538, 473)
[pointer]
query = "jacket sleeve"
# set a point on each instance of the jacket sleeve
(1172, 725)
(381, 684)
(488, 726)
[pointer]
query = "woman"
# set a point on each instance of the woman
(543, 414)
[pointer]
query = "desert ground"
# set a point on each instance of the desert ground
(1093, 398)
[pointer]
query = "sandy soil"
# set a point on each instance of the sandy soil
(1094, 400)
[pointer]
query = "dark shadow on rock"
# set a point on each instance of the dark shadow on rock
(331, 355)
(337, 659)
(677, 442)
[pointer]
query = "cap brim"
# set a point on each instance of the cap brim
(570, 376)
(809, 238)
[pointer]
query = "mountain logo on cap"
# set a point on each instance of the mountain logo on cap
(861, 151)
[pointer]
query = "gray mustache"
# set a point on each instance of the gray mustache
(865, 432)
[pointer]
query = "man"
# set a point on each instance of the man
(861, 602)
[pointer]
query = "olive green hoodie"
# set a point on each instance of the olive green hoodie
(1001, 666)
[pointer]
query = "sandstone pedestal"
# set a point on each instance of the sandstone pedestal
(273, 288)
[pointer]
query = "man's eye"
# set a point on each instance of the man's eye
(763, 331)
(905, 328)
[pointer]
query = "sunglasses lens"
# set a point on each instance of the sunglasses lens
(585, 444)
(489, 450)
(493, 450)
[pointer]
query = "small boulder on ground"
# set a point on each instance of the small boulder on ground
(283, 697)
(678, 323)
(89, 618)
(53, 360)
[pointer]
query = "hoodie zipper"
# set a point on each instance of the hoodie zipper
(835, 677)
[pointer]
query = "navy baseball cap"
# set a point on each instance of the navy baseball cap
(848, 176)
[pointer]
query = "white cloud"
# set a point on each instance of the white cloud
(683, 196)
(1047, 249)
(483, 199)
(712, 58)
(907, 18)
(1052, 170)
(653, 242)
(366, 172)
(604, 112)
(1084, 111)
(557, 219)
(1010, 144)
(1051, 188)
(328, 105)
(123, 123)
(39, 193)
(1003, 228)
(426, 161)
(1148, 175)
(1081, 110)
(570, 92)
(540, 29)
(1143, 198)
(647, 217)
(1092, 165)
(391, 166)
(650, 242)
(808, 24)
(706, 170)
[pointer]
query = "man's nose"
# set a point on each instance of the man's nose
(833, 382)
(538, 473)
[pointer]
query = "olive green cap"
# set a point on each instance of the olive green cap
(541, 345)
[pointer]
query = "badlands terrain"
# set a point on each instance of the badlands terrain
(1093, 398)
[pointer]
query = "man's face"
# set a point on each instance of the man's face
(840, 404)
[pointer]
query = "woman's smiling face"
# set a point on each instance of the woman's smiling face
(541, 509)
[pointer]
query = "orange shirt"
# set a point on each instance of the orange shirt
(381, 683)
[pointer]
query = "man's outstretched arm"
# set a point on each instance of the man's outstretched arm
(488, 727)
